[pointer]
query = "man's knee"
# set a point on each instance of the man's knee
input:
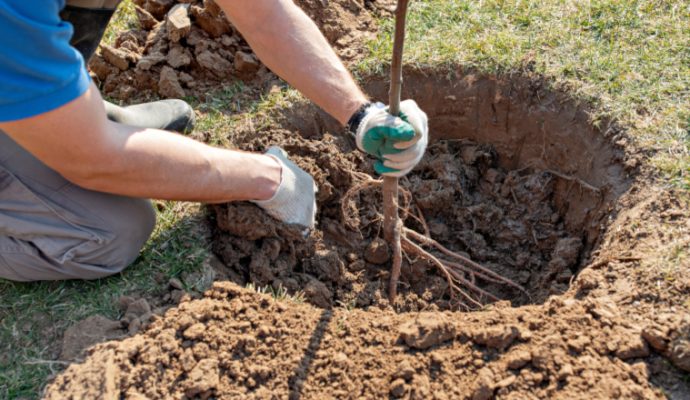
(114, 245)
(143, 221)
(51, 229)
(129, 228)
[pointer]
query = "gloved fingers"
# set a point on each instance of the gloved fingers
(411, 136)
(404, 164)
(386, 126)
(283, 155)
(398, 165)
(379, 131)
(381, 169)
(414, 115)
(402, 145)
(398, 130)
(380, 140)
(406, 155)
(417, 118)
(416, 151)
(406, 160)
(295, 200)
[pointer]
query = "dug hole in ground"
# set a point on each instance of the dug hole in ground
(516, 178)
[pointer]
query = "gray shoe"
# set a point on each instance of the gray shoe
(89, 25)
(170, 115)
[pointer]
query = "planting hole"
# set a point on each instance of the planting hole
(516, 178)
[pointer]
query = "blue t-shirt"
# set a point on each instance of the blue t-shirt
(39, 70)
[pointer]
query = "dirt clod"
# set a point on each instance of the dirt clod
(157, 8)
(377, 252)
(633, 347)
(497, 338)
(177, 22)
(405, 371)
(246, 63)
(87, 332)
(146, 20)
(398, 388)
(169, 84)
(518, 359)
(318, 294)
(680, 352)
(116, 57)
(195, 331)
(138, 308)
(202, 378)
(485, 388)
(175, 283)
(425, 331)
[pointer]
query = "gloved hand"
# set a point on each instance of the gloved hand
(295, 200)
(397, 142)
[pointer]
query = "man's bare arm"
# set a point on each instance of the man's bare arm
(292, 46)
(82, 145)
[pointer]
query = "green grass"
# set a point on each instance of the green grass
(34, 315)
(630, 59)
(279, 294)
(124, 19)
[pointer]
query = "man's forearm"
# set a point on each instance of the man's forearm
(158, 164)
(79, 143)
(292, 46)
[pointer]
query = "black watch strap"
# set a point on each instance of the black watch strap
(356, 118)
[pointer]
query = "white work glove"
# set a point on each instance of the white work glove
(295, 200)
(398, 143)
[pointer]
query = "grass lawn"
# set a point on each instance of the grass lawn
(629, 58)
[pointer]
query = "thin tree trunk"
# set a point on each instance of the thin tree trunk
(391, 221)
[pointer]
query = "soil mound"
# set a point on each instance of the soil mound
(235, 343)
(188, 47)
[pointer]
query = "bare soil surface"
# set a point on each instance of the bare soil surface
(236, 343)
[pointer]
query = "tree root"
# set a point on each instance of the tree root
(459, 271)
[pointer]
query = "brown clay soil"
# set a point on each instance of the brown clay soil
(572, 215)
(236, 343)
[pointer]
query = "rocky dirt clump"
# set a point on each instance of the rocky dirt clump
(189, 47)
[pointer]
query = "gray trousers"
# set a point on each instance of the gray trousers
(51, 229)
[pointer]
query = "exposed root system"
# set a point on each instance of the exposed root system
(461, 275)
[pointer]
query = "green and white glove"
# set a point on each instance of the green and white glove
(295, 200)
(398, 143)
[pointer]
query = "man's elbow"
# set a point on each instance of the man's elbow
(93, 170)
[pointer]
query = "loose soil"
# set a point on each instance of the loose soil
(516, 177)
(236, 343)
(509, 222)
